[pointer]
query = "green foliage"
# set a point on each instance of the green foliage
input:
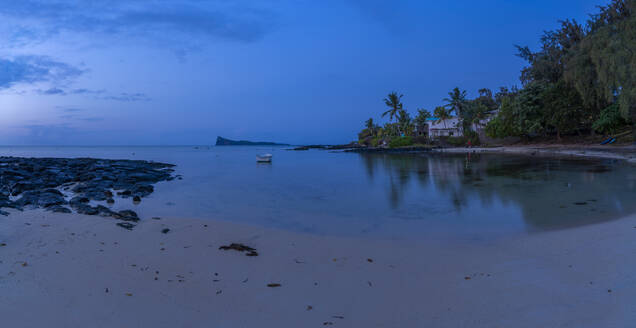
(421, 140)
(580, 79)
(610, 121)
(421, 119)
(401, 142)
(456, 101)
(404, 123)
(364, 137)
(473, 137)
(442, 113)
(505, 123)
(578, 71)
(391, 130)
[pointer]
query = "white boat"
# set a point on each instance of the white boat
(264, 158)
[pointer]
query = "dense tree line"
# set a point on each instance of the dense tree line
(580, 81)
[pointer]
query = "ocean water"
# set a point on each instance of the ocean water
(405, 196)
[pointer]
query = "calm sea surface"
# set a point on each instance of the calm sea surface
(473, 197)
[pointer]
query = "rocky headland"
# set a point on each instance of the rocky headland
(220, 141)
(65, 185)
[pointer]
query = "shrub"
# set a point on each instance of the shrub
(456, 141)
(471, 136)
(609, 121)
(420, 140)
(401, 142)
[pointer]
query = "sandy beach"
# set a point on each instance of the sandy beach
(60, 270)
(627, 153)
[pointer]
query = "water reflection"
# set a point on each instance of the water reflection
(468, 196)
(550, 192)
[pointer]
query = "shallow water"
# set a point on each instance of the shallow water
(467, 196)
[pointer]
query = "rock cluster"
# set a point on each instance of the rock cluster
(48, 182)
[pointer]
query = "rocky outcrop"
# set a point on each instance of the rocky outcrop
(48, 182)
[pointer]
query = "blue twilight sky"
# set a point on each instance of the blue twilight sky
(135, 72)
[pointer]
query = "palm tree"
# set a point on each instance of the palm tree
(371, 126)
(442, 114)
(422, 116)
(456, 101)
(393, 101)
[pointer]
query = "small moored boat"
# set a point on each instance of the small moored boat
(264, 158)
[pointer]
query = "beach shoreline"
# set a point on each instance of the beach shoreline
(76, 270)
(627, 153)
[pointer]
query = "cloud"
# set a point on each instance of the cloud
(37, 20)
(70, 109)
(98, 94)
(34, 69)
(127, 97)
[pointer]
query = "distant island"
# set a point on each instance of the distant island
(220, 141)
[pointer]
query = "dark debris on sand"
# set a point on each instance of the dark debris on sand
(241, 248)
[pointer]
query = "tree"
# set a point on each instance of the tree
(405, 123)
(422, 118)
(394, 102)
(442, 114)
(456, 101)
(372, 127)
(391, 130)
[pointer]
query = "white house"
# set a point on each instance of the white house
(451, 127)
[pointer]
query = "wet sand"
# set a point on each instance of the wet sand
(60, 270)
(627, 153)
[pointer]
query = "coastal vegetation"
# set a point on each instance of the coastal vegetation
(580, 82)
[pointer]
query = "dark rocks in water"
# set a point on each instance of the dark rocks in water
(227, 142)
(35, 183)
(241, 248)
(127, 215)
(353, 145)
(85, 209)
(41, 198)
(307, 147)
(125, 193)
(4, 213)
(166, 230)
(126, 225)
(136, 199)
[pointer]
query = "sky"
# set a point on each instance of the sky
(146, 72)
